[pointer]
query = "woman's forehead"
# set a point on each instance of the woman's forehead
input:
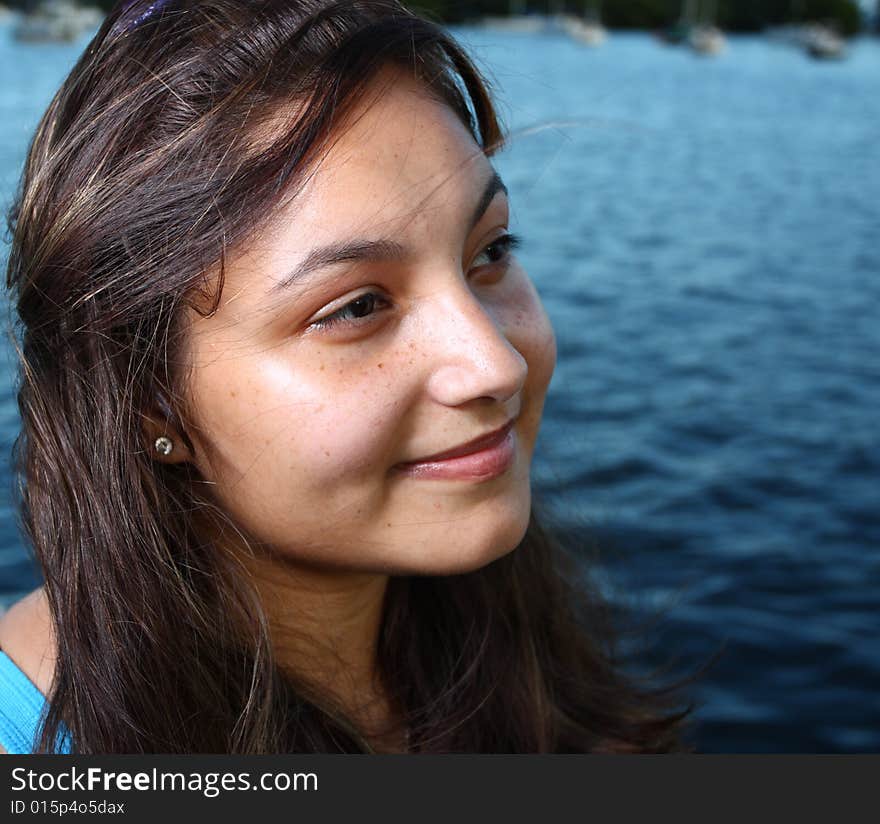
(403, 168)
(406, 167)
(399, 157)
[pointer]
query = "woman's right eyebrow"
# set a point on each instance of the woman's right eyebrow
(374, 251)
(382, 249)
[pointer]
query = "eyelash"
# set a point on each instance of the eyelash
(505, 244)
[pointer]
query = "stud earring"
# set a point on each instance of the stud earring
(164, 445)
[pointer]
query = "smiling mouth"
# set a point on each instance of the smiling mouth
(483, 458)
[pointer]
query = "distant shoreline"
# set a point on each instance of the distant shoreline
(847, 17)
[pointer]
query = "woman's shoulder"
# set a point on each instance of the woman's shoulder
(26, 637)
(27, 640)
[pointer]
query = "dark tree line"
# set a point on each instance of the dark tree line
(732, 15)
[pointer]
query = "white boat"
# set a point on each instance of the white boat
(823, 44)
(708, 40)
(56, 21)
(517, 21)
(588, 28)
(816, 40)
(701, 33)
(589, 32)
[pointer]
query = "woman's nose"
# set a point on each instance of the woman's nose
(472, 357)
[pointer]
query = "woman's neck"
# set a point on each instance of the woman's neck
(325, 629)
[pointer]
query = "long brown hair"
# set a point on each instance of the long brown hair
(161, 152)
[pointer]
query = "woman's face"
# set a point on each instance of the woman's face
(376, 323)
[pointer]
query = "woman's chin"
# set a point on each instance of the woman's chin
(471, 544)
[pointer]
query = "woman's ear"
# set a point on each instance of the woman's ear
(164, 441)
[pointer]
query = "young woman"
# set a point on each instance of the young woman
(281, 382)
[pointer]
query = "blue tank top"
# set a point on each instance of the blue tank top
(21, 711)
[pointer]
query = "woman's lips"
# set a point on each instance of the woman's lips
(487, 458)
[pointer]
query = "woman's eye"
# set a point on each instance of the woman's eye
(353, 313)
(499, 250)
(359, 311)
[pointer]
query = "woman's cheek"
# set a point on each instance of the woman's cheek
(545, 345)
(528, 328)
(345, 438)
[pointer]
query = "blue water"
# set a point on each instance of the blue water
(704, 235)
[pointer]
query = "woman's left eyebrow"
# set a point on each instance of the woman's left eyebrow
(494, 185)
(375, 251)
